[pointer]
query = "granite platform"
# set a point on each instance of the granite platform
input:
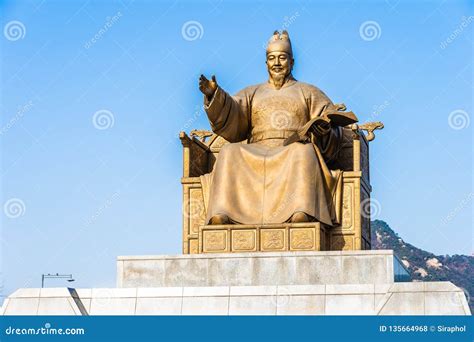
(295, 283)
(255, 269)
(414, 298)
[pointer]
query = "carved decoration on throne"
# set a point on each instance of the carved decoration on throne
(201, 134)
(370, 127)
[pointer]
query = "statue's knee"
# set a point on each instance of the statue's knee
(305, 151)
(219, 219)
(299, 217)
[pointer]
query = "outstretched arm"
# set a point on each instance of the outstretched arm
(228, 115)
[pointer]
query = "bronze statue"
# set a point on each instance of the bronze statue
(291, 130)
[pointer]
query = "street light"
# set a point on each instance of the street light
(56, 276)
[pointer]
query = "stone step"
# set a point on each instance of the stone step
(260, 269)
(410, 298)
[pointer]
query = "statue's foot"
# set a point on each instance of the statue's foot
(219, 219)
(299, 217)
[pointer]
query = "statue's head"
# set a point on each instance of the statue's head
(279, 57)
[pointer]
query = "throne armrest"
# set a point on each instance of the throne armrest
(360, 147)
(370, 127)
(195, 155)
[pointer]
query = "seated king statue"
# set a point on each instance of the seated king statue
(264, 175)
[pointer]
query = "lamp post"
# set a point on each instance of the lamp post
(56, 276)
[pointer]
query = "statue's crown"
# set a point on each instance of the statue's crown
(280, 42)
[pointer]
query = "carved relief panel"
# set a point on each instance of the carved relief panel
(244, 240)
(214, 241)
(347, 206)
(273, 239)
(302, 239)
(194, 210)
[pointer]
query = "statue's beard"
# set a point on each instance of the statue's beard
(279, 79)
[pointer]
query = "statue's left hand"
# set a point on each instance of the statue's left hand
(321, 128)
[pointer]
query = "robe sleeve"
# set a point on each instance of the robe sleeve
(229, 115)
(329, 142)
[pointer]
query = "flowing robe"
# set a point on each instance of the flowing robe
(262, 181)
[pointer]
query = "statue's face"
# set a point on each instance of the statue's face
(279, 64)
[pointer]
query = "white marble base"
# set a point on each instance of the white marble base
(434, 298)
(297, 283)
(45, 301)
(255, 269)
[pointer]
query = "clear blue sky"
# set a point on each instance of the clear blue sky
(87, 194)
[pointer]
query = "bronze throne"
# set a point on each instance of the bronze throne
(200, 150)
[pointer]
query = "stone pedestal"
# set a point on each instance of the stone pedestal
(257, 269)
(291, 283)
